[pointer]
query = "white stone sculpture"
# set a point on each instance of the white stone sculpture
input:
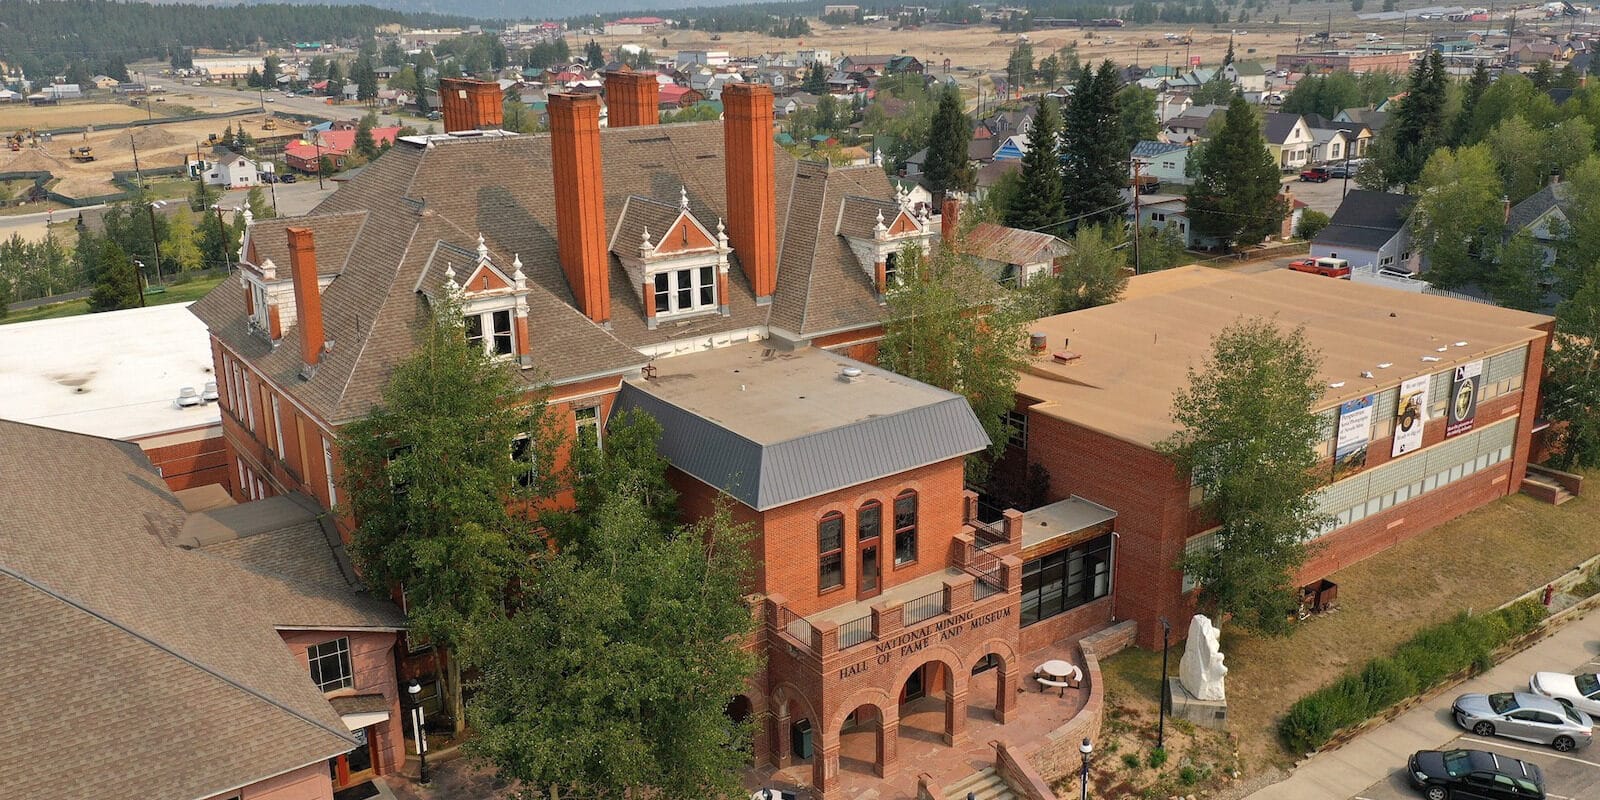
(1201, 671)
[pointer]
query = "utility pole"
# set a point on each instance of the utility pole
(139, 175)
(155, 238)
(1137, 228)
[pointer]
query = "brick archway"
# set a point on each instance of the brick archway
(916, 685)
(876, 715)
(789, 705)
(1005, 676)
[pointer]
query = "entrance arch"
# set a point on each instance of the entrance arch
(868, 734)
(932, 700)
(992, 682)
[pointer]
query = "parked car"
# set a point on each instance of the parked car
(1315, 175)
(1580, 691)
(1328, 267)
(1449, 774)
(1520, 715)
(1344, 169)
(287, 179)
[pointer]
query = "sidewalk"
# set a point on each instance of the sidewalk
(1374, 755)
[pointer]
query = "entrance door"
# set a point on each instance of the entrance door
(355, 766)
(869, 527)
(870, 583)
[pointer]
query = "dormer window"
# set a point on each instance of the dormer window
(491, 330)
(891, 269)
(683, 291)
(258, 306)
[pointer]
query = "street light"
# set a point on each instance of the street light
(1087, 748)
(414, 691)
(1161, 724)
(1346, 190)
(138, 280)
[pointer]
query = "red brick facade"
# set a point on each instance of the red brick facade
(372, 673)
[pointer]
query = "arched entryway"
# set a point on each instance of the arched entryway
(864, 739)
(992, 684)
(792, 729)
(932, 702)
(738, 709)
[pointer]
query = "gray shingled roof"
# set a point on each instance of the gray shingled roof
(1149, 149)
(1277, 125)
(1537, 205)
(1366, 219)
(772, 428)
(142, 669)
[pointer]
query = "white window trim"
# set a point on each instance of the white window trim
(486, 326)
(250, 404)
(673, 289)
(579, 423)
(277, 424)
(327, 468)
(258, 294)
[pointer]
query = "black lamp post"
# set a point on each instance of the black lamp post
(1087, 748)
(414, 691)
(1161, 724)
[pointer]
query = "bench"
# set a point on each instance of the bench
(1054, 684)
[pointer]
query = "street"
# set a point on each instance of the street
(277, 101)
(293, 200)
(1371, 766)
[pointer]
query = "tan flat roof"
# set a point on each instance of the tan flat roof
(1136, 353)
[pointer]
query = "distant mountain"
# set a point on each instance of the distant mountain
(514, 9)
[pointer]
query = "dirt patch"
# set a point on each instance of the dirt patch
(68, 115)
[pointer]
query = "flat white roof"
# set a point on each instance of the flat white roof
(115, 374)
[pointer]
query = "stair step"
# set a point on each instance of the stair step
(961, 787)
(985, 784)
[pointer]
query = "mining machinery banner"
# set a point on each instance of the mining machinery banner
(1410, 414)
(1464, 389)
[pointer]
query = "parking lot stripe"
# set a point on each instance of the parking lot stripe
(1547, 753)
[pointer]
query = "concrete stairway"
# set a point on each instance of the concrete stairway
(1543, 488)
(985, 784)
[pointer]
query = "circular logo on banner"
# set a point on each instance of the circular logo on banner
(1463, 401)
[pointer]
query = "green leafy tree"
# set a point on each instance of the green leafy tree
(1094, 162)
(260, 206)
(430, 475)
(1520, 273)
(1136, 110)
(628, 464)
(1019, 67)
(217, 240)
(1542, 75)
(335, 79)
(1049, 70)
(1247, 438)
(1572, 376)
(405, 80)
(935, 334)
(1471, 92)
(1215, 92)
(949, 133)
(1095, 273)
(1159, 249)
(1234, 195)
(1515, 148)
(117, 286)
(181, 246)
(1039, 205)
(1458, 215)
(613, 675)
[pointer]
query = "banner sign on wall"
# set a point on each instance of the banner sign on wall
(1355, 431)
(1464, 390)
(1410, 413)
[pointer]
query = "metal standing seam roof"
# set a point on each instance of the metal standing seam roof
(765, 457)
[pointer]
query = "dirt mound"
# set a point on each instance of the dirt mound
(29, 159)
(154, 137)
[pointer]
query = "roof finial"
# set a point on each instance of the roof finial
(683, 198)
(722, 235)
(450, 286)
(249, 217)
(880, 229)
(517, 276)
(483, 249)
(877, 157)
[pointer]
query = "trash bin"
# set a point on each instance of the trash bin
(800, 737)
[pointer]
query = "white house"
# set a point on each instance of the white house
(1369, 230)
(1330, 145)
(1163, 161)
(1248, 76)
(710, 58)
(1288, 138)
(231, 170)
(814, 56)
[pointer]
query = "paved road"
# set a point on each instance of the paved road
(276, 101)
(1370, 767)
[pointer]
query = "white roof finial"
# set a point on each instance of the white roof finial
(683, 198)
(880, 229)
(877, 156)
(249, 217)
(483, 249)
(644, 237)
(517, 276)
(722, 234)
(450, 286)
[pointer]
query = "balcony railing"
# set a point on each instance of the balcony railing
(855, 631)
(794, 624)
(925, 607)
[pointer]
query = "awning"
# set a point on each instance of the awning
(356, 722)
(362, 710)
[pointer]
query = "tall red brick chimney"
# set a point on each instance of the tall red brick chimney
(470, 105)
(580, 206)
(752, 205)
(632, 99)
(307, 294)
(949, 220)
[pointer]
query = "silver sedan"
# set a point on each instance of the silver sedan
(1520, 715)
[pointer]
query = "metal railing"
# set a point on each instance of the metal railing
(986, 585)
(795, 625)
(927, 606)
(855, 631)
(986, 536)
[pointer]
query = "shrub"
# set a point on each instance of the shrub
(1158, 757)
(1130, 760)
(1524, 615)
(1386, 683)
(1188, 776)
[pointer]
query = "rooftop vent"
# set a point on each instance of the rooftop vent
(187, 397)
(1037, 343)
(849, 374)
(209, 394)
(1065, 356)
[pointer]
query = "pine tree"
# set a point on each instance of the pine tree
(946, 169)
(335, 79)
(118, 284)
(1234, 195)
(260, 207)
(1417, 129)
(364, 143)
(1039, 204)
(816, 80)
(593, 55)
(1471, 93)
(1093, 159)
(1227, 58)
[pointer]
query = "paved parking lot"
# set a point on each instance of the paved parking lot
(1567, 776)
(1322, 197)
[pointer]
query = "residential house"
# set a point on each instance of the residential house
(1288, 138)
(1173, 104)
(1330, 145)
(675, 97)
(1164, 161)
(1011, 256)
(1543, 215)
(333, 144)
(788, 105)
(1247, 75)
(1191, 80)
(1374, 120)
(1163, 211)
(229, 169)
(1539, 51)
(1369, 230)
(1191, 125)
(234, 645)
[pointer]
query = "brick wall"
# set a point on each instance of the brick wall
(306, 783)
(372, 666)
(190, 458)
(1086, 617)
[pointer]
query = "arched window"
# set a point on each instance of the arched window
(869, 521)
(905, 528)
(830, 551)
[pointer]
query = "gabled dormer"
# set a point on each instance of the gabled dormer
(678, 264)
(494, 304)
(264, 267)
(877, 231)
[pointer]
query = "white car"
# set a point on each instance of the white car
(1581, 691)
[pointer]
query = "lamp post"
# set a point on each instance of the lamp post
(1087, 748)
(1161, 724)
(155, 238)
(1346, 190)
(138, 280)
(414, 691)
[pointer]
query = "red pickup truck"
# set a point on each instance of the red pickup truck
(1316, 175)
(1329, 267)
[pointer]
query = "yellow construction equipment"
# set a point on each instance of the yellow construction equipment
(270, 124)
(81, 153)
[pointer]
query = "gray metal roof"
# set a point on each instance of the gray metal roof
(771, 427)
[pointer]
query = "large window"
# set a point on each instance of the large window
(1017, 429)
(277, 424)
(330, 665)
(830, 551)
(522, 452)
(1062, 581)
(491, 330)
(682, 290)
(258, 298)
(891, 270)
(869, 521)
(327, 470)
(587, 426)
(905, 528)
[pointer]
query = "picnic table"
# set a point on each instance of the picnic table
(1057, 674)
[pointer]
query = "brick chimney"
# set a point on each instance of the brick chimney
(632, 99)
(580, 206)
(470, 105)
(949, 219)
(307, 296)
(752, 206)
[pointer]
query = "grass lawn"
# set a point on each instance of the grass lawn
(175, 293)
(1476, 563)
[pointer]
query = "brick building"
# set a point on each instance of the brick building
(1354, 61)
(151, 650)
(1458, 381)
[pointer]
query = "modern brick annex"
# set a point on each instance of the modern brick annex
(1459, 380)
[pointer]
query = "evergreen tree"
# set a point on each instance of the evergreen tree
(364, 143)
(949, 133)
(593, 55)
(1542, 75)
(1048, 71)
(1471, 93)
(1234, 194)
(816, 80)
(1093, 159)
(335, 79)
(1039, 204)
(1227, 58)
(1520, 274)
(118, 285)
(1416, 129)
(1136, 109)
(269, 72)
(1019, 67)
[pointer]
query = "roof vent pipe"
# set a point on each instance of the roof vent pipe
(849, 374)
(1038, 343)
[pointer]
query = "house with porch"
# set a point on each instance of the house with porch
(1289, 139)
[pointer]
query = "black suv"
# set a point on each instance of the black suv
(1474, 775)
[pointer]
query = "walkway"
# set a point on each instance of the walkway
(1375, 754)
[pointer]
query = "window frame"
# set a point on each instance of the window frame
(833, 554)
(909, 530)
(327, 468)
(277, 422)
(1064, 581)
(588, 416)
(489, 336)
(1016, 428)
(339, 654)
(668, 287)
(530, 476)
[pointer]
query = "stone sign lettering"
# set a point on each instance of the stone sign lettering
(913, 641)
